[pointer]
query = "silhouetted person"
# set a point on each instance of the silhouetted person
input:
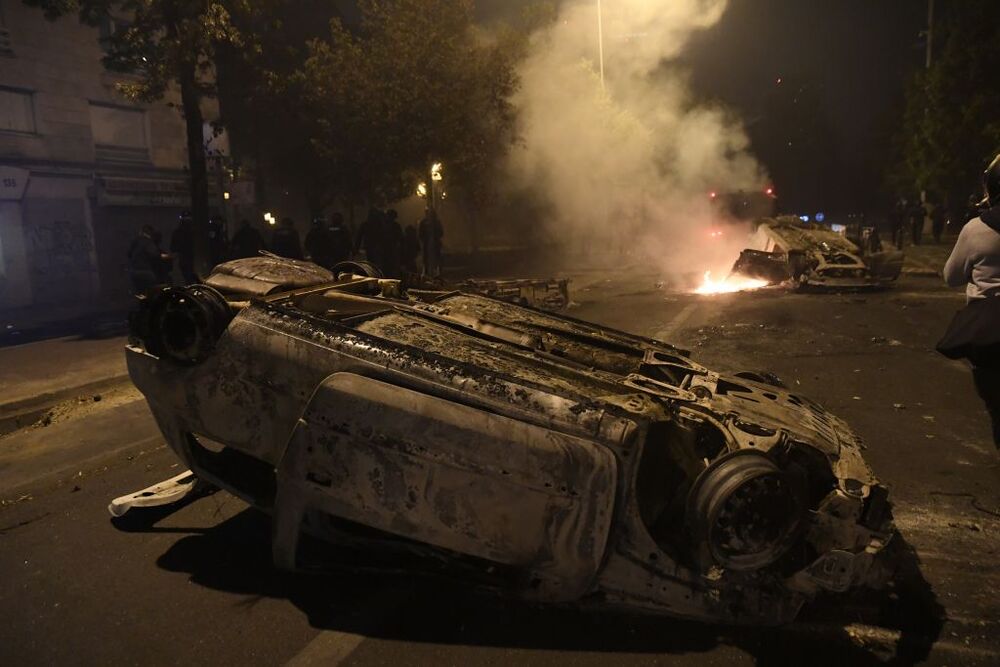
(897, 218)
(146, 261)
(182, 247)
(975, 263)
(285, 241)
(340, 239)
(431, 235)
(971, 208)
(165, 267)
(319, 243)
(939, 218)
(371, 237)
(917, 213)
(247, 242)
(218, 239)
(392, 234)
(410, 250)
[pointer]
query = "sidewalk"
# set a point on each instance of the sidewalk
(35, 376)
(927, 259)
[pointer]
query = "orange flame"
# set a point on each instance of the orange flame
(728, 285)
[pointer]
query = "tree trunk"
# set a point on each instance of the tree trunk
(193, 121)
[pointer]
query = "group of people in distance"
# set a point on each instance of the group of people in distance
(380, 239)
(396, 250)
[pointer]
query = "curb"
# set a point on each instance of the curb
(24, 412)
(926, 273)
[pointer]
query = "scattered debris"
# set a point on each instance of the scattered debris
(968, 525)
(26, 497)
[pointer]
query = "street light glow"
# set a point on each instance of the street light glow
(422, 190)
(436, 171)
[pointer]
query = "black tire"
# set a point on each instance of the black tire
(358, 268)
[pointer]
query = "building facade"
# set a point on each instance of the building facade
(81, 170)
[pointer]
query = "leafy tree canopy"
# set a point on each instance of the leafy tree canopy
(951, 125)
(416, 83)
(160, 42)
(157, 39)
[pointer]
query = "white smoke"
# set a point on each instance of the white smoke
(627, 170)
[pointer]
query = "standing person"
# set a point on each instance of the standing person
(319, 244)
(939, 218)
(146, 261)
(247, 242)
(182, 247)
(975, 332)
(393, 241)
(917, 213)
(285, 242)
(165, 267)
(971, 208)
(340, 239)
(431, 234)
(371, 237)
(218, 239)
(410, 250)
(896, 220)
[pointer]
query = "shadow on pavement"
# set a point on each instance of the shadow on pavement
(235, 557)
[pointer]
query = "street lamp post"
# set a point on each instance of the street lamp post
(600, 40)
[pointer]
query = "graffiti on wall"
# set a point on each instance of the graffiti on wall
(60, 251)
(62, 246)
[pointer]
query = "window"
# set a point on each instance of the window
(119, 132)
(109, 27)
(5, 46)
(17, 113)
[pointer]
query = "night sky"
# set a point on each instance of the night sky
(845, 62)
(843, 67)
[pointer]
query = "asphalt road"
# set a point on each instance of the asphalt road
(196, 586)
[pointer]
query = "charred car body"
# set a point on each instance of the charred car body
(786, 250)
(529, 453)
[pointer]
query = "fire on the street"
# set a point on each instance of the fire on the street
(728, 284)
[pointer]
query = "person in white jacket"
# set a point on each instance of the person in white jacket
(975, 263)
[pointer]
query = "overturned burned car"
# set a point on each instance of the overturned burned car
(527, 453)
(801, 255)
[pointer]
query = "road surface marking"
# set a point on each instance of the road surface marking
(332, 647)
(673, 325)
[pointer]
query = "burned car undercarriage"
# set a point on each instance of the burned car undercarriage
(803, 256)
(527, 453)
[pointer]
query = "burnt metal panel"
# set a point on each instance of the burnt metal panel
(453, 476)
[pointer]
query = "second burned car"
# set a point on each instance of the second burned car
(785, 250)
(525, 452)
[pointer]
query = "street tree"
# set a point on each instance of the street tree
(951, 127)
(166, 43)
(269, 119)
(415, 83)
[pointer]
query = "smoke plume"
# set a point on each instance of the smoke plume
(625, 170)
